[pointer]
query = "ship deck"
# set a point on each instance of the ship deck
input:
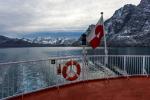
(122, 88)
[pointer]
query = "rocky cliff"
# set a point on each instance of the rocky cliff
(129, 26)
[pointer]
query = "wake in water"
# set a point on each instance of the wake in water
(25, 77)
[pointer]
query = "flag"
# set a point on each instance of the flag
(94, 38)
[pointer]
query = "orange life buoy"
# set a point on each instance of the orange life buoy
(65, 68)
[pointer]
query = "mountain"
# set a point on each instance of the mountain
(10, 42)
(129, 26)
(37, 42)
(40, 39)
(52, 38)
(79, 42)
(34, 35)
(52, 41)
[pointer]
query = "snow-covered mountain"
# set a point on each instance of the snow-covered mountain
(14, 42)
(129, 26)
(50, 34)
(52, 38)
(35, 42)
(52, 41)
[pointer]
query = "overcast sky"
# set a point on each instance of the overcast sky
(23, 16)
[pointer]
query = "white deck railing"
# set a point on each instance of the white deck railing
(27, 76)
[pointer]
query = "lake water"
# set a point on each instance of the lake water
(36, 53)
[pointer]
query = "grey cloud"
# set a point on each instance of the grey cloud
(17, 16)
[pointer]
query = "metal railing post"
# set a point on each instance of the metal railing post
(143, 65)
(2, 91)
(124, 64)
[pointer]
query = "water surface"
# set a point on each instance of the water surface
(36, 53)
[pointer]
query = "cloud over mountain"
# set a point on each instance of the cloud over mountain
(21, 16)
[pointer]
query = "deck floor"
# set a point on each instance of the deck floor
(133, 88)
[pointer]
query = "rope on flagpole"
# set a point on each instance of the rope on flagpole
(105, 44)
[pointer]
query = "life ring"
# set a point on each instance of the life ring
(76, 74)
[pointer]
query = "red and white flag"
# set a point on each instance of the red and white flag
(94, 38)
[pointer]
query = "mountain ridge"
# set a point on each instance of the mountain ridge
(129, 26)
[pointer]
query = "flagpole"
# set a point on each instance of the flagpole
(105, 44)
(84, 52)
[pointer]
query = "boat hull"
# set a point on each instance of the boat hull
(122, 88)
